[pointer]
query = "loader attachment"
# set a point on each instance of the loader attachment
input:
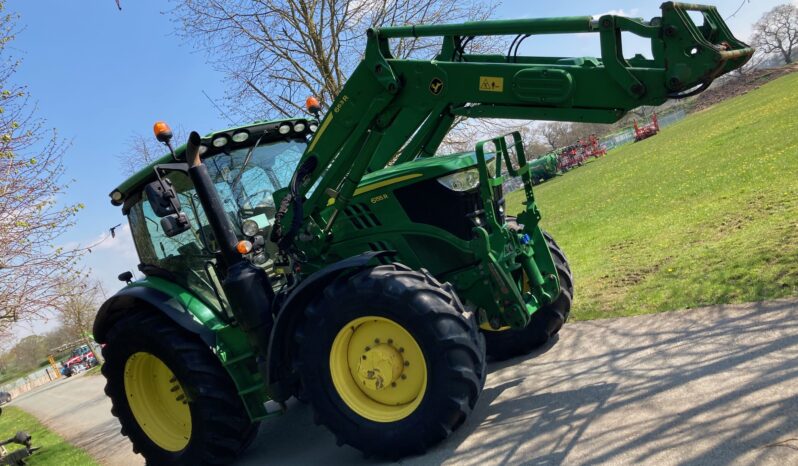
(393, 110)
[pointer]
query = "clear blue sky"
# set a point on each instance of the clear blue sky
(99, 75)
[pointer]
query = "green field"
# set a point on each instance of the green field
(704, 213)
(54, 450)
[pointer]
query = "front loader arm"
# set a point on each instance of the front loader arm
(400, 109)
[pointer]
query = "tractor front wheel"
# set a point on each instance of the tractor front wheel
(174, 400)
(390, 360)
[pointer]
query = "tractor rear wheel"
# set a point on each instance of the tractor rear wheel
(173, 398)
(544, 324)
(390, 360)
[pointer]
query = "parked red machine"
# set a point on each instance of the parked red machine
(591, 147)
(577, 154)
(570, 157)
(646, 131)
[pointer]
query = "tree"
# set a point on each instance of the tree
(29, 352)
(142, 150)
(77, 312)
(776, 33)
(556, 134)
(277, 52)
(32, 267)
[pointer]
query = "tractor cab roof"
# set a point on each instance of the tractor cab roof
(266, 129)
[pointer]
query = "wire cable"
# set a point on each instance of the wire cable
(738, 9)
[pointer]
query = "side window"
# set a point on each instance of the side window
(186, 255)
(165, 247)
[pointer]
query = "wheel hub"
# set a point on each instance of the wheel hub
(380, 367)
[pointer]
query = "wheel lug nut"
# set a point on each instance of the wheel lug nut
(404, 376)
(393, 384)
(390, 341)
(377, 341)
(367, 348)
(401, 350)
(364, 357)
(407, 363)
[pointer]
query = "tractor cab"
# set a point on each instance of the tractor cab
(247, 165)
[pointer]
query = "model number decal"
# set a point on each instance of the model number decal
(379, 198)
(340, 104)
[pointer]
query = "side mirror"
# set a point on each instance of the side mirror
(174, 224)
(126, 277)
(162, 197)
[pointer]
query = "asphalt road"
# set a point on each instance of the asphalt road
(715, 385)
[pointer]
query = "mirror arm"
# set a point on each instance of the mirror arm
(165, 168)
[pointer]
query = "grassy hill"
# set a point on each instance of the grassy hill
(704, 213)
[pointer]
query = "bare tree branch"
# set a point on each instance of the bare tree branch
(277, 52)
(776, 33)
(32, 267)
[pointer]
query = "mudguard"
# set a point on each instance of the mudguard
(186, 310)
(280, 379)
(146, 293)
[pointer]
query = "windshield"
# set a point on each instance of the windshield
(246, 185)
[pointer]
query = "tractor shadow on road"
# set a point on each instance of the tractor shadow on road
(705, 386)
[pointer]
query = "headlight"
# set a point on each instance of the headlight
(313, 127)
(241, 136)
(250, 227)
(299, 127)
(220, 141)
(461, 181)
(284, 128)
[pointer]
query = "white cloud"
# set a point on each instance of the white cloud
(631, 13)
(111, 256)
(121, 242)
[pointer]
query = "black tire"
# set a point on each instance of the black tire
(446, 334)
(545, 323)
(220, 426)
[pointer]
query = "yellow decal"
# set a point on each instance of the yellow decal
(379, 198)
(320, 132)
(491, 84)
(380, 184)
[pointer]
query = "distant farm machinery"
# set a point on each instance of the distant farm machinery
(577, 154)
(544, 167)
(646, 131)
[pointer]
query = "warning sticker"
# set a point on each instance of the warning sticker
(491, 84)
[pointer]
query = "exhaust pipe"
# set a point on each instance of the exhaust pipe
(248, 288)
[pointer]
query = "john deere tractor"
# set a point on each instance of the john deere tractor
(336, 259)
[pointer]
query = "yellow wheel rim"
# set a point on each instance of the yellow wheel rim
(486, 327)
(157, 401)
(378, 369)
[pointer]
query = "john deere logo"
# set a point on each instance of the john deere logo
(436, 86)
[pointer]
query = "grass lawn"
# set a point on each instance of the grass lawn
(704, 213)
(54, 450)
(94, 370)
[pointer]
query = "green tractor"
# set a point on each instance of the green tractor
(544, 167)
(337, 260)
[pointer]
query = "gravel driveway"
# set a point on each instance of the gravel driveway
(716, 385)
